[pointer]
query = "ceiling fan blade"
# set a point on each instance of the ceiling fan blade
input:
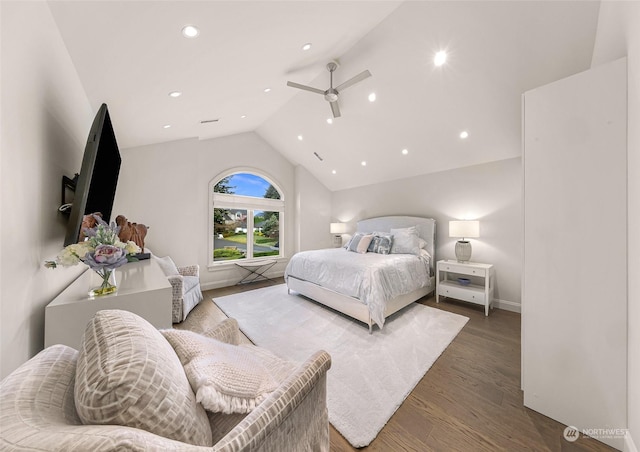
(352, 81)
(335, 109)
(305, 87)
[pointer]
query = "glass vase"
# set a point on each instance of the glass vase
(107, 283)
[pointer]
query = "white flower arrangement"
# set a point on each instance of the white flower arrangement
(102, 252)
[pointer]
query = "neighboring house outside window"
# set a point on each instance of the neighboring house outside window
(247, 211)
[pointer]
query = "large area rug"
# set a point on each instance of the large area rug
(371, 374)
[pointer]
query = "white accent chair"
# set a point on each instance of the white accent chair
(38, 404)
(185, 284)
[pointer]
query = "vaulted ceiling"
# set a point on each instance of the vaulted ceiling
(131, 55)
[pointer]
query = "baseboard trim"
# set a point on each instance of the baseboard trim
(507, 305)
(629, 445)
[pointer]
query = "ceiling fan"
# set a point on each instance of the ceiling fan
(331, 95)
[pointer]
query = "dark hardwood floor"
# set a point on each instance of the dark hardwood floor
(470, 399)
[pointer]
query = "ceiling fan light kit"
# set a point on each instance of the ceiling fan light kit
(332, 94)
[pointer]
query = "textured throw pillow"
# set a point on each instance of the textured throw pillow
(405, 241)
(128, 374)
(381, 243)
(226, 331)
(228, 378)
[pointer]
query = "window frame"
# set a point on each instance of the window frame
(250, 204)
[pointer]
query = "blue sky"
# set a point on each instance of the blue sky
(248, 185)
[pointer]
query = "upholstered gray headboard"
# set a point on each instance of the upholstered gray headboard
(426, 228)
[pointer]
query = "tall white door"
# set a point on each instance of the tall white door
(574, 323)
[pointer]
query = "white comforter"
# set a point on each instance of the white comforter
(373, 278)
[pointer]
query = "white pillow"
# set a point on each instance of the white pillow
(168, 266)
(227, 378)
(405, 241)
(128, 374)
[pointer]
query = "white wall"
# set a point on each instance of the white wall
(489, 192)
(313, 206)
(166, 187)
(619, 35)
(45, 121)
(564, 325)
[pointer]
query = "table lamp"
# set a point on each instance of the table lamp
(337, 229)
(464, 229)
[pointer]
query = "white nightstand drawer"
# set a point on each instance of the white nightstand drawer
(462, 269)
(473, 294)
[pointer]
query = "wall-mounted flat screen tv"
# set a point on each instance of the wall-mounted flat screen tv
(95, 188)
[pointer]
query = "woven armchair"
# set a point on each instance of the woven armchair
(38, 407)
(186, 291)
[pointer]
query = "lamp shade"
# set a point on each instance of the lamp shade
(464, 228)
(338, 228)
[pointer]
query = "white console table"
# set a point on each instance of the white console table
(143, 289)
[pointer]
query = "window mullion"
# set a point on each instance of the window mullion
(249, 233)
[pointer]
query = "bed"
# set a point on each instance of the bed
(368, 287)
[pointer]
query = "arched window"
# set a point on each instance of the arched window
(247, 211)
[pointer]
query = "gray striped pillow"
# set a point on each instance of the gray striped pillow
(128, 374)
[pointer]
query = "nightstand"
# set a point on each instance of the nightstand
(479, 291)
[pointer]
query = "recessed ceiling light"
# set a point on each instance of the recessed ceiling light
(464, 134)
(405, 151)
(243, 116)
(307, 46)
(190, 31)
(372, 97)
(166, 126)
(266, 90)
(329, 120)
(175, 94)
(363, 163)
(440, 58)
(300, 137)
(333, 172)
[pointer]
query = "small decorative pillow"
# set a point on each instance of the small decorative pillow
(405, 241)
(359, 243)
(363, 244)
(381, 243)
(227, 378)
(128, 374)
(355, 237)
(167, 265)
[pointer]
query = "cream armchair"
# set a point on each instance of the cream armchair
(185, 284)
(38, 407)
(186, 291)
